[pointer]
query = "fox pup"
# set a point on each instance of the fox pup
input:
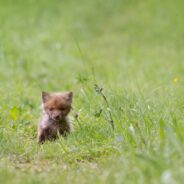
(54, 120)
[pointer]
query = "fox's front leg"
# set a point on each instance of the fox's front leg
(41, 136)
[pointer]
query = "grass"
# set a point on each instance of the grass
(124, 62)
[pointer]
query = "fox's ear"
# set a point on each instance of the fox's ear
(69, 96)
(45, 96)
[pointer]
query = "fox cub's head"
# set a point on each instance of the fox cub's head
(57, 105)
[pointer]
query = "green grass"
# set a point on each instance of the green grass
(133, 50)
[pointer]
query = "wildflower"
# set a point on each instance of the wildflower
(175, 80)
(131, 130)
(166, 177)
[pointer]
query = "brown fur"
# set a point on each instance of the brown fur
(54, 120)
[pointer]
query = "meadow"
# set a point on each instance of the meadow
(123, 60)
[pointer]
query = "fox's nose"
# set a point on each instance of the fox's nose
(57, 117)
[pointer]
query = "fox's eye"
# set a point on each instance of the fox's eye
(62, 109)
(51, 109)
